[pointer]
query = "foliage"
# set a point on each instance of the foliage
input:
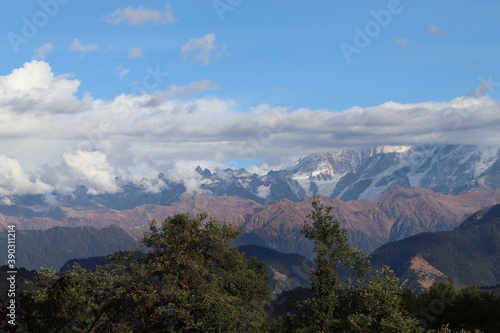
(468, 309)
(446, 329)
(377, 306)
(190, 279)
(332, 250)
(353, 306)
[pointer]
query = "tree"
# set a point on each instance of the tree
(351, 305)
(377, 307)
(446, 329)
(189, 279)
(332, 250)
(444, 307)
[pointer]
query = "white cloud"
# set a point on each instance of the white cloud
(402, 41)
(141, 16)
(78, 46)
(42, 51)
(433, 30)
(13, 180)
(93, 170)
(202, 50)
(182, 171)
(134, 52)
(5, 201)
(35, 89)
(64, 141)
(148, 177)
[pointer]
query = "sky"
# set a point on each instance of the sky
(91, 90)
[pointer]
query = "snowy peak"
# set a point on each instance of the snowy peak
(349, 174)
(315, 167)
(353, 174)
(324, 166)
(443, 169)
(320, 173)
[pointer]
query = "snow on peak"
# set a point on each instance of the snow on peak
(391, 149)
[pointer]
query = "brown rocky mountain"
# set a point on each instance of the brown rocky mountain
(396, 214)
(135, 221)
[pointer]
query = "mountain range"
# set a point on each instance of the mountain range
(354, 174)
(348, 174)
(380, 195)
(470, 253)
(396, 214)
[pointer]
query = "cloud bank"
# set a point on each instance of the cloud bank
(53, 141)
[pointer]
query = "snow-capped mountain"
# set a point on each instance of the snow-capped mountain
(442, 169)
(348, 174)
(353, 174)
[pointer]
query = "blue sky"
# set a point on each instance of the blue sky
(98, 89)
(275, 52)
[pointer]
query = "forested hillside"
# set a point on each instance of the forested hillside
(55, 246)
(470, 253)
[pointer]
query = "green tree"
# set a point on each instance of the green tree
(446, 329)
(444, 307)
(377, 307)
(351, 305)
(332, 250)
(188, 279)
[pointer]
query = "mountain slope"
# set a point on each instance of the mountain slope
(398, 213)
(53, 247)
(285, 271)
(470, 253)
